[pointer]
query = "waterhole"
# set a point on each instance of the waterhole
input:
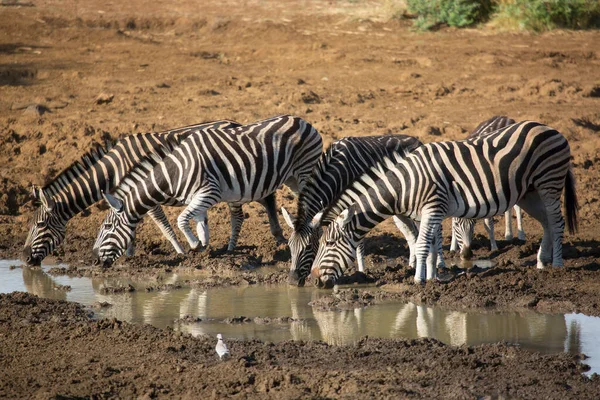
(276, 313)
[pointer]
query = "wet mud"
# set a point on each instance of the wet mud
(53, 349)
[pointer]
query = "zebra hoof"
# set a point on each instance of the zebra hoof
(521, 236)
(197, 249)
(541, 265)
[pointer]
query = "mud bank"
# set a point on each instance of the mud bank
(53, 349)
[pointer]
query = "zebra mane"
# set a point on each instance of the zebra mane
(141, 170)
(373, 151)
(77, 169)
(342, 201)
(324, 160)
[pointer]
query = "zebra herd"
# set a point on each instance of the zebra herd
(342, 193)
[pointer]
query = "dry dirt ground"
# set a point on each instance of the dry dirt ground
(347, 69)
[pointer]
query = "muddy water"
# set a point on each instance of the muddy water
(542, 332)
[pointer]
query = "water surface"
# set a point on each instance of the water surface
(575, 333)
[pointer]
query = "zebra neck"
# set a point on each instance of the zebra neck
(364, 221)
(81, 193)
(145, 194)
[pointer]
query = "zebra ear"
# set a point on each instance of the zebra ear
(288, 218)
(316, 221)
(47, 202)
(345, 216)
(113, 202)
(35, 195)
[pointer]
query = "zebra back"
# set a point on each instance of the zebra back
(491, 125)
(343, 161)
(82, 183)
(246, 163)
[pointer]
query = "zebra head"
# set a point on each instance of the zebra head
(337, 249)
(462, 230)
(47, 229)
(303, 244)
(116, 233)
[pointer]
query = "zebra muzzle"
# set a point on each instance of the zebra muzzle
(294, 279)
(326, 282)
(466, 253)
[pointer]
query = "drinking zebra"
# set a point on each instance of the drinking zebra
(338, 167)
(462, 228)
(81, 185)
(235, 165)
(525, 163)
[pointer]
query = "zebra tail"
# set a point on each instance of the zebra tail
(571, 203)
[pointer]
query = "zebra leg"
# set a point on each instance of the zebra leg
(409, 229)
(237, 219)
(440, 251)
(270, 205)
(360, 256)
(454, 246)
(463, 228)
(556, 225)
(520, 231)
(532, 204)
(489, 227)
(508, 231)
(432, 258)
(197, 208)
(430, 223)
(160, 219)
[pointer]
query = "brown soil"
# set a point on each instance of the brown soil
(52, 349)
(73, 73)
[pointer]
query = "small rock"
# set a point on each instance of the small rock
(101, 304)
(209, 92)
(188, 319)
(593, 92)
(119, 289)
(104, 98)
(63, 288)
(433, 130)
(311, 98)
(36, 109)
(237, 320)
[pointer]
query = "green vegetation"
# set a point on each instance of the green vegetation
(534, 15)
(543, 15)
(457, 13)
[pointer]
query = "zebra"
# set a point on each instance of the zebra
(234, 165)
(462, 229)
(342, 162)
(525, 163)
(100, 169)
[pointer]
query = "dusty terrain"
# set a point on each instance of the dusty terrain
(348, 70)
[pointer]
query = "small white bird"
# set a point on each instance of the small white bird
(221, 348)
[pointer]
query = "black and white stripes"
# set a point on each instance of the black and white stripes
(462, 228)
(526, 163)
(235, 165)
(81, 185)
(338, 167)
